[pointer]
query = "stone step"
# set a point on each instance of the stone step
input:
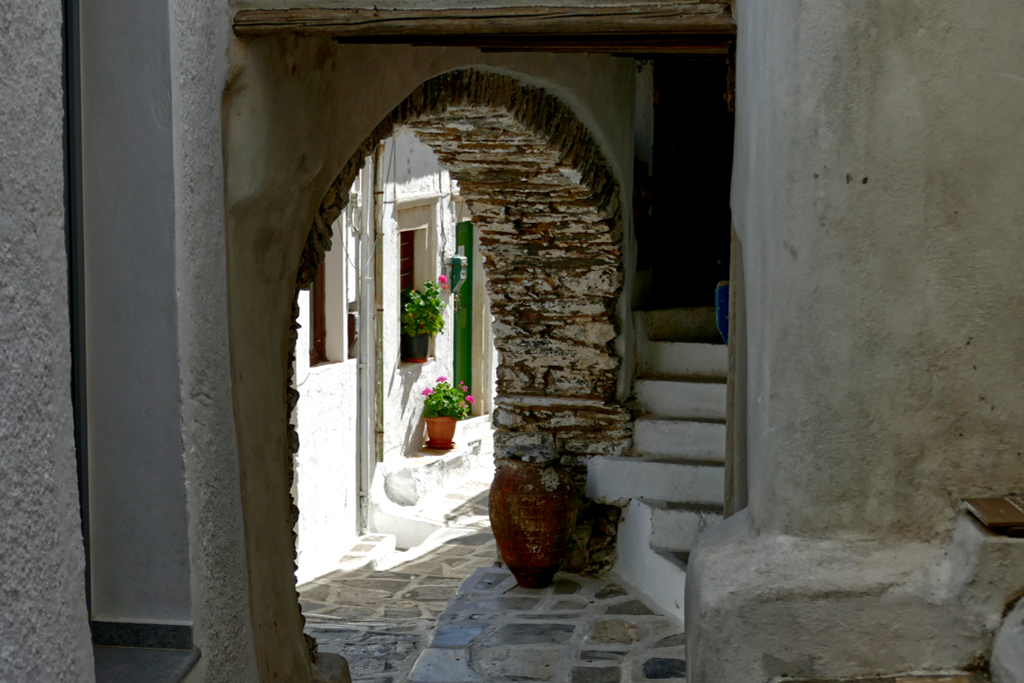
(681, 325)
(694, 397)
(429, 471)
(683, 439)
(616, 480)
(659, 573)
(676, 526)
(680, 359)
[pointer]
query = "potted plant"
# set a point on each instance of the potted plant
(422, 318)
(444, 406)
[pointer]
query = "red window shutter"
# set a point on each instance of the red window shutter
(407, 252)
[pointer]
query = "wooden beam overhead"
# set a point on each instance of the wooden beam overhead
(682, 27)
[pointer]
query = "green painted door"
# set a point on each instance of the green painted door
(464, 309)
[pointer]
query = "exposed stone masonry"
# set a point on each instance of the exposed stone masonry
(546, 206)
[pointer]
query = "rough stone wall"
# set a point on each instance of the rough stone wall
(547, 208)
(44, 626)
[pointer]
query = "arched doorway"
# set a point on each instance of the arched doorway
(547, 205)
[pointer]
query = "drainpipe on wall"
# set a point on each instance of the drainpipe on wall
(379, 188)
(365, 422)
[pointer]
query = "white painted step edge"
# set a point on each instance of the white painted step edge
(616, 480)
(684, 438)
(659, 577)
(669, 398)
(685, 358)
(676, 529)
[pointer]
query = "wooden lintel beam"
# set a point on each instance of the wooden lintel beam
(557, 26)
(625, 50)
(628, 45)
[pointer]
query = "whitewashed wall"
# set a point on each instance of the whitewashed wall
(326, 479)
(326, 485)
(417, 192)
(415, 179)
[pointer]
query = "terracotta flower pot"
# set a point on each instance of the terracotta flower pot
(415, 349)
(533, 514)
(440, 431)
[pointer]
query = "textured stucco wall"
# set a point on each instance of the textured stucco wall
(296, 109)
(153, 78)
(137, 518)
(1007, 665)
(876, 192)
(222, 625)
(44, 629)
(879, 161)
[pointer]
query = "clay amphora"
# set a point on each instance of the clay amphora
(533, 513)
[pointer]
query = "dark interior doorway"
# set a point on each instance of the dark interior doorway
(684, 236)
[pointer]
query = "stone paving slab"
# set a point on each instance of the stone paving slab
(448, 611)
(903, 678)
(381, 619)
(578, 630)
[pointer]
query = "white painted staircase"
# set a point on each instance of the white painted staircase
(674, 487)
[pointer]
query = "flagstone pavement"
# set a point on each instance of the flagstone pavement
(379, 612)
(445, 613)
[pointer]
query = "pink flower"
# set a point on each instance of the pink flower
(443, 279)
(427, 392)
(442, 379)
(470, 399)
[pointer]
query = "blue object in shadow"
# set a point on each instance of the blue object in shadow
(722, 309)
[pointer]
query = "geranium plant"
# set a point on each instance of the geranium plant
(444, 400)
(423, 312)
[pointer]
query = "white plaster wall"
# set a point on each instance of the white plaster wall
(326, 481)
(137, 511)
(44, 628)
(338, 293)
(876, 195)
(412, 167)
(221, 612)
(1007, 665)
(878, 167)
(412, 171)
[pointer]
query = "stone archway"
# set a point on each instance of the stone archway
(546, 205)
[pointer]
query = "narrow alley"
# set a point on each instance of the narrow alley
(445, 612)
